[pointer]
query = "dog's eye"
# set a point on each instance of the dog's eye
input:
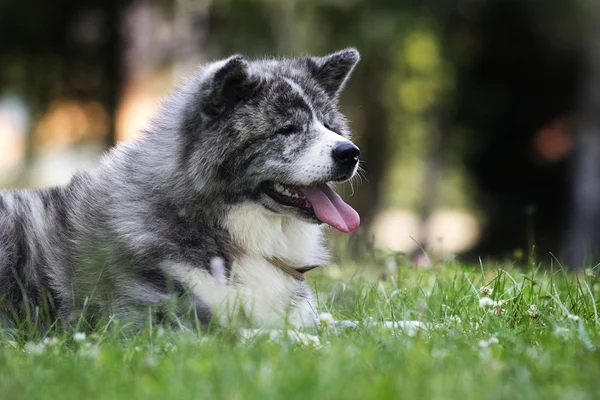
(288, 129)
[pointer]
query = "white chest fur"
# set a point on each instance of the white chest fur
(259, 232)
(267, 296)
(263, 235)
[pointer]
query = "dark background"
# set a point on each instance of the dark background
(477, 120)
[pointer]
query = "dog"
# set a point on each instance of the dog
(218, 208)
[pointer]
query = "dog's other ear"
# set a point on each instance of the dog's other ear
(333, 71)
(230, 83)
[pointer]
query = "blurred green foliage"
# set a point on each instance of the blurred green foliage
(443, 104)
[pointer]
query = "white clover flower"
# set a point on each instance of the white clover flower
(79, 336)
(52, 341)
(454, 319)
(326, 319)
(391, 266)
(486, 302)
(573, 317)
(90, 351)
(487, 343)
(486, 290)
(36, 348)
(533, 311)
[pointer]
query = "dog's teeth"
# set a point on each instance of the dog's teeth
(283, 189)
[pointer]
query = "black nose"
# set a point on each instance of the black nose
(346, 153)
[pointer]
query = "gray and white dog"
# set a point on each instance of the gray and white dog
(233, 178)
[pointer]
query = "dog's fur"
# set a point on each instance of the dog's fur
(143, 228)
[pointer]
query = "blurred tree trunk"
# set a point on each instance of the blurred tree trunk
(113, 64)
(583, 238)
(431, 175)
(437, 115)
(372, 83)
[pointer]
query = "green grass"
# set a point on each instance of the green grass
(469, 352)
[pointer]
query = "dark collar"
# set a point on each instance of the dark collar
(296, 273)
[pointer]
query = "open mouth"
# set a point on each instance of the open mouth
(319, 202)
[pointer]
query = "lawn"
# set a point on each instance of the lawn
(495, 332)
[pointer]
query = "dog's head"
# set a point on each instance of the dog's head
(271, 132)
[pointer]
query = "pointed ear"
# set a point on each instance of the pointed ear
(230, 83)
(333, 71)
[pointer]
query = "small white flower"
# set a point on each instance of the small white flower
(90, 351)
(487, 343)
(36, 348)
(454, 319)
(496, 306)
(326, 319)
(52, 341)
(573, 317)
(486, 302)
(533, 311)
(391, 266)
(486, 290)
(79, 336)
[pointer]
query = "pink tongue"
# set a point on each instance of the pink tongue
(330, 208)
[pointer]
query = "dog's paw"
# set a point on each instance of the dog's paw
(411, 328)
(278, 336)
